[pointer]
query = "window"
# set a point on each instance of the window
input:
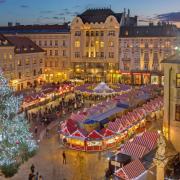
(111, 33)
(40, 71)
(78, 33)
(177, 113)
(45, 63)
(56, 52)
(87, 44)
(41, 61)
(27, 61)
(111, 44)
(92, 33)
(10, 56)
(50, 52)
(51, 64)
(102, 44)
(178, 80)
(102, 33)
(87, 33)
(64, 52)
(97, 33)
(56, 42)
(40, 43)
(64, 43)
(102, 54)
(77, 44)
(45, 43)
(77, 54)
(56, 63)
(34, 61)
(19, 75)
(5, 56)
(19, 62)
(34, 72)
(111, 54)
(50, 42)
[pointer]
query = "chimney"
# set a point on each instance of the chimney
(124, 11)
(10, 24)
(128, 13)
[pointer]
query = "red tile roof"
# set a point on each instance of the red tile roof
(131, 170)
(94, 135)
(23, 45)
(4, 41)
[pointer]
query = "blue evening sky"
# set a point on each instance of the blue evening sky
(54, 11)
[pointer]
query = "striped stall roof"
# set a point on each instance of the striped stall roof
(131, 170)
(149, 144)
(94, 135)
(151, 135)
(106, 132)
(115, 126)
(134, 150)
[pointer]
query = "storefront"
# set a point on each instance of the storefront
(155, 79)
(146, 77)
(94, 145)
(126, 78)
(137, 79)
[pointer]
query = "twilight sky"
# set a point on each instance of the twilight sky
(55, 11)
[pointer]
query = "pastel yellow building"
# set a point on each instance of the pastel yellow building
(22, 61)
(171, 123)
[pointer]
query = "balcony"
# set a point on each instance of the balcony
(95, 59)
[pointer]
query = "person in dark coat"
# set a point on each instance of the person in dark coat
(64, 157)
(32, 168)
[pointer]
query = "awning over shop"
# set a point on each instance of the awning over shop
(131, 170)
(134, 150)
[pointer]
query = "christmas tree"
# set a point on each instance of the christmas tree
(16, 142)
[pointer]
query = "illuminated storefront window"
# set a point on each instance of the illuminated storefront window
(178, 80)
(154, 79)
(177, 113)
(137, 78)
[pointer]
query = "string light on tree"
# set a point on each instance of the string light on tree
(15, 138)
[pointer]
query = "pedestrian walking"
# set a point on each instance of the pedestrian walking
(36, 130)
(37, 176)
(32, 168)
(40, 177)
(64, 157)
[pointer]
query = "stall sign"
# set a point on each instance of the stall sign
(94, 143)
(115, 163)
(109, 141)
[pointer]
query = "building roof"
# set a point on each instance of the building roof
(148, 31)
(98, 15)
(35, 29)
(131, 170)
(4, 41)
(175, 59)
(23, 45)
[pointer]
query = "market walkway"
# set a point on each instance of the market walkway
(48, 162)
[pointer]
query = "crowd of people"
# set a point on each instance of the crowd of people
(44, 116)
(34, 175)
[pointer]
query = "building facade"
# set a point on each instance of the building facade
(55, 41)
(171, 123)
(94, 44)
(101, 45)
(141, 50)
(22, 61)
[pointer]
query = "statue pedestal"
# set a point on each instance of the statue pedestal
(160, 172)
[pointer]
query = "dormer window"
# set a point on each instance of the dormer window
(126, 33)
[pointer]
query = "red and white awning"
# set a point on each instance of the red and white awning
(131, 170)
(94, 135)
(134, 150)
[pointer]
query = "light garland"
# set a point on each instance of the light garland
(14, 129)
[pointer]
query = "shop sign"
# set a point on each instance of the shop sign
(115, 163)
(109, 141)
(94, 143)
